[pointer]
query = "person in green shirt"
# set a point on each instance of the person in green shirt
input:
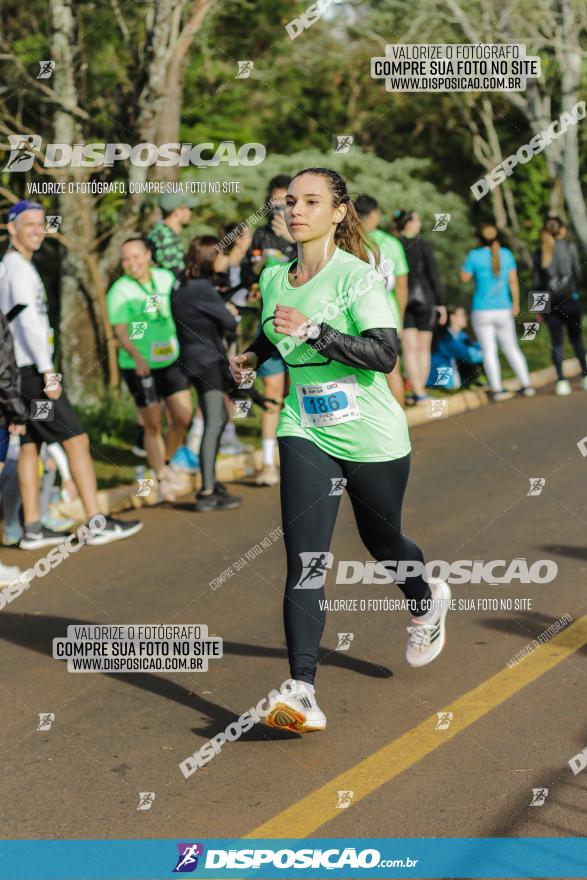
(164, 237)
(139, 311)
(328, 314)
(393, 266)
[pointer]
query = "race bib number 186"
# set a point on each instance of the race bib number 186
(328, 403)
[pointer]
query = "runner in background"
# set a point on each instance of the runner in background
(393, 267)
(202, 319)
(425, 302)
(235, 240)
(51, 417)
(341, 427)
(496, 302)
(139, 311)
(272, 244)
(164, 237)
(558, 270)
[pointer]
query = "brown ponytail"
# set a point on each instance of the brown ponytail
(349, 234)
(552, 227)
(487, 235)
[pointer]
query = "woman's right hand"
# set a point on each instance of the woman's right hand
(241, 363)
(141, 366)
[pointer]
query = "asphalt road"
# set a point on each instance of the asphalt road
(117, 735)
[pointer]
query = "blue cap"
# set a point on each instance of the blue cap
(23, 205)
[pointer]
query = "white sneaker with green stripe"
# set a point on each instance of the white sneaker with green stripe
(427, 636)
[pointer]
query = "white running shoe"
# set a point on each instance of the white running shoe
(8, 573)
(297, 711)
(426, 638)
(563, 388)
(269, 476)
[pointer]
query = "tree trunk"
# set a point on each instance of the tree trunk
(79, 344)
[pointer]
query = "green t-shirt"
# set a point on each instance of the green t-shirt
(391, 249)
(166, 247)
(146, 312)
(356, 418)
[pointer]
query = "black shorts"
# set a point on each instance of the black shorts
(420, 318)
(168, 380)
(48, 423)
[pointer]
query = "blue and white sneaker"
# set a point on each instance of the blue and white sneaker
(186, 460)
(426, 638)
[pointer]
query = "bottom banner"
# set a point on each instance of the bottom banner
(310, 858)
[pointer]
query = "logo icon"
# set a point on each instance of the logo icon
(539, 795)
(578, 762)
(22, 151)
(46, 719)
(444, 375)
(46, 69)
(187, 860)
(244, 69)
(444, 719)
(344, 641)
(582, 446)
(53, 223)
(437, 409)
(344, 799)
(342, 142)
(539, 301)
(145, 487)
(338, 484)
(52, 382)
(247, 379)
(314, 567)
(537, 484)
(530, 330)
(146, 799)
(441, 222)
(152, 303)
(242, 408)
(138, 329)
(42, 410)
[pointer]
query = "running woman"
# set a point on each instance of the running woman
(557, 269)
(329, 314)
(496, 302)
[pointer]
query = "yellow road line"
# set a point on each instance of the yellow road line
(319, 807)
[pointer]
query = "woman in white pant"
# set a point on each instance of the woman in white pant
(496, 302)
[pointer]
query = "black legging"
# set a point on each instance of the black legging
(567, 313)
(376, 491)
(210, 384)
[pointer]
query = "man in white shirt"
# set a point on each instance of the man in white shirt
(51, 416)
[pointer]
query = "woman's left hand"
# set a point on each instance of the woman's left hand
(442, 315)
(515, 309)
(289, 321)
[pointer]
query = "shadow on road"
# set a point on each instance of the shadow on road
(579, 552)
(528, 626)
(36, 632)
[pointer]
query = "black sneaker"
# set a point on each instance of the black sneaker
(44, 537)
(219, 499)
(114, 530)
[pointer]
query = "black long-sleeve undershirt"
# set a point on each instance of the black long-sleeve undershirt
(374, 349)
